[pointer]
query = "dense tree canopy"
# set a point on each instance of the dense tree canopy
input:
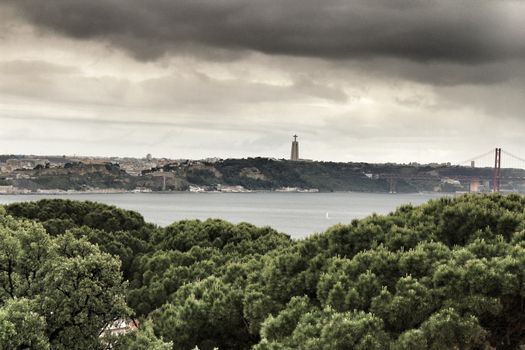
(122, 233)
(59, 215)
(449, 274)
(55, 292)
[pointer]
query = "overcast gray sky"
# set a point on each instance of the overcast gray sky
(360, 80)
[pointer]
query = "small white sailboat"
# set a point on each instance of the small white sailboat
(327, 216)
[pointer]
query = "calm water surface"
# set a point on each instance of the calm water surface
(298, 214)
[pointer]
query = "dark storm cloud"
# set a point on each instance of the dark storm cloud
(462, 31)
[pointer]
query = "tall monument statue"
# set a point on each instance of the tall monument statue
(295, 149)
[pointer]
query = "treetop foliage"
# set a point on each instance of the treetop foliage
(55, 292)
(449, 274)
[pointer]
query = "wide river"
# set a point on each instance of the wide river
(298, 214)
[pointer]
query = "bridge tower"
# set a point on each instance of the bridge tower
(496, 173)
(392, 183)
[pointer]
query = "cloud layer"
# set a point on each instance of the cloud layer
(361, 80)
(466, 31)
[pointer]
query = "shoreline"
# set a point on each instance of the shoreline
(66, 193)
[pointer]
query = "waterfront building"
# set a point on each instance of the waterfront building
(295, 149)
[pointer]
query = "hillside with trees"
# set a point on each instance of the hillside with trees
(260, 174)
(449, 274)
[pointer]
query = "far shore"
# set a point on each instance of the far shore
(66, 193)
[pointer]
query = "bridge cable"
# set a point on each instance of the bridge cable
(513, 156)
(477, 157)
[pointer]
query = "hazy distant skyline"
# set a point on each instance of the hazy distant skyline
(362, 80)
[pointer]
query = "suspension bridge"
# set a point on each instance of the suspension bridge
(493, 171)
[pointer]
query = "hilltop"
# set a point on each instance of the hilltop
(23, 174)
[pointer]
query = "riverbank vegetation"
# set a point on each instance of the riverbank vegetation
(258, 174)
(447, 274)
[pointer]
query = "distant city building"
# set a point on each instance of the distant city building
(295, 149)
